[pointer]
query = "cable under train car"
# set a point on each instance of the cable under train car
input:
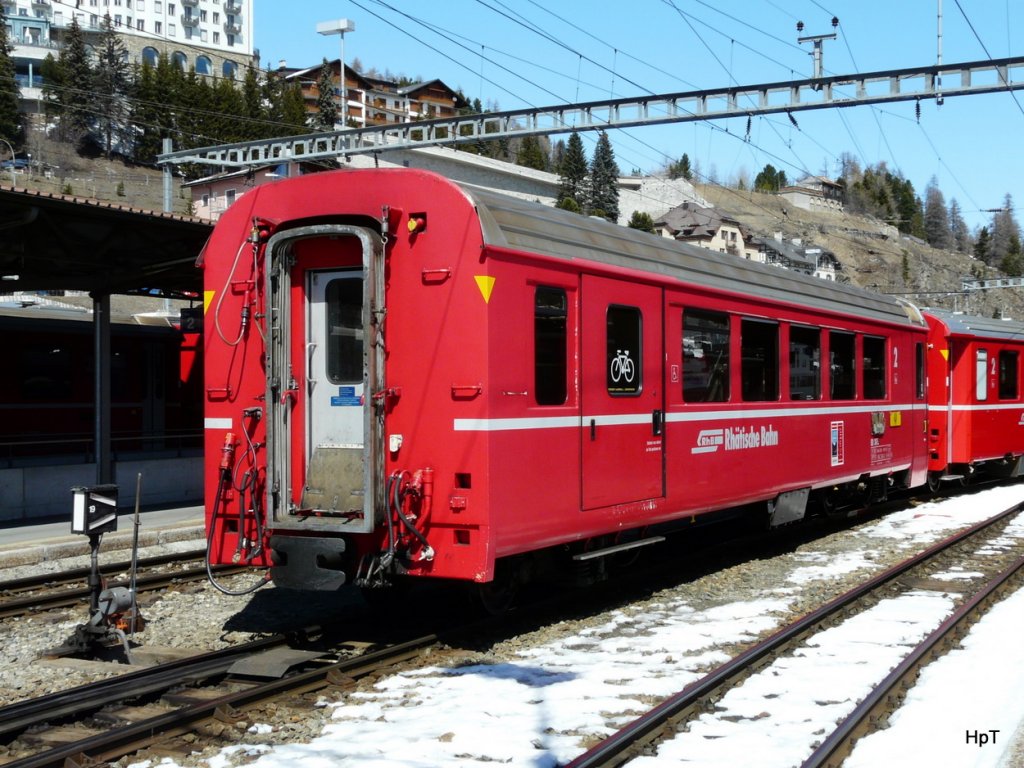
(407, 377)
(975, 402)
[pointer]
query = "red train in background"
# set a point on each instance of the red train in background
(975, 407)
(406, 377)
(47, 391)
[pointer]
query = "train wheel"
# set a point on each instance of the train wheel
(499, 595)
(934, 482)
(831, 504)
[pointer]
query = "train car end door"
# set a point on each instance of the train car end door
(336, 392)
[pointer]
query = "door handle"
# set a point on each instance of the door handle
(657, 421)
(593, 429)
(310, 381)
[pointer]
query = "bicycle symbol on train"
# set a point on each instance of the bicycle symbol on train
(622, 367)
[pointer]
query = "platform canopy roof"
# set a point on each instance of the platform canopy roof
(59, 242)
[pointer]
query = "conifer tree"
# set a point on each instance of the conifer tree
(146, 114)
(293, 109)
(227, 105)
(530, 154)
(192, 119)
(936, 217)
(770, 179)
(110, 84)
(1004, 229)
(604, 180)
(69, 90)
(252, 97)
(10, 120)
(573, 173)
(642, 221)
(958, 230)
(285, 113)
(681, 168)
(981, 245)
(557, 155)
(326, 105)
(1013, 262)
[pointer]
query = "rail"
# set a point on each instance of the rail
(125, 740)
(837, 747)
(628, 741)
(50, 597)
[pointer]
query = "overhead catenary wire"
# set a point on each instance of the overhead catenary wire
(421, 23)
(985, 49)
(801, 166)
(534, 27)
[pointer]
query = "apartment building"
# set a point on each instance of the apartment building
(374, 101)
(213, 36)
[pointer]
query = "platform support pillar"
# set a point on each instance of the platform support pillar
(101, 395)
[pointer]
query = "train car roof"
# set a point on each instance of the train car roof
(40, 318)
(958, 324)
(522, 225)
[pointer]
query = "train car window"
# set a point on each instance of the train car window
(550, 345)
(981, 375)
(759, 372)
(623, 362)
(1009, 375)
(344, 298)
(705, 357)
(804, 363)
(919, 369)
(842, 363)
(873, 370)
(46, 372)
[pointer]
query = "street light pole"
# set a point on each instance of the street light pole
(339, 27)
(13, 180)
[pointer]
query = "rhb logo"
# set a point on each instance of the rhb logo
(735, 439)
(709, 441)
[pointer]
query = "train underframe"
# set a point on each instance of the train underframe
(331, 561)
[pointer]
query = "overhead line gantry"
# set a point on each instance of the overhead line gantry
(914, 84)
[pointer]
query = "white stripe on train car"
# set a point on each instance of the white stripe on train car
(563, 422)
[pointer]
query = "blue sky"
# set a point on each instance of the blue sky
(515, 54)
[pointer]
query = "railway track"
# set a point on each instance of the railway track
(662, 722)
(219, 686)
(57, 590)
(124, 722)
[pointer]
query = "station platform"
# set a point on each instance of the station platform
(31, 543)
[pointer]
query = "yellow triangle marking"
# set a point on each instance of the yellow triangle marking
(207, 300)
(486, 284)
(945, 354)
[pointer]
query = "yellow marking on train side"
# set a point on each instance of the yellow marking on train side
(207, 300)
(945, 354)
(486, 285)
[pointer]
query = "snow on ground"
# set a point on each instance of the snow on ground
(539, 708)
(784, 707)
(973, 690)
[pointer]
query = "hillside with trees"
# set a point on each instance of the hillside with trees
(878, 255)
(106, 121)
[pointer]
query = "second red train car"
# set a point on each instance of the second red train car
(975, 401)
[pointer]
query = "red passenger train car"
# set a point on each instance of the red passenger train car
(975, 401)
(410, 377)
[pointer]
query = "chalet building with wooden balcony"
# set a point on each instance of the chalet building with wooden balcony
(373, 101)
